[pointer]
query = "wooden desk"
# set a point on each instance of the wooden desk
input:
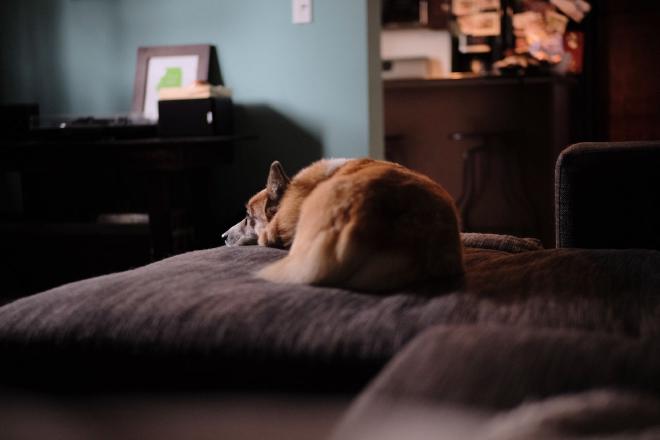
(160, 158)
(162, 165)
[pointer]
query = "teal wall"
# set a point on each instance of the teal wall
(78, 56)
(307, 91)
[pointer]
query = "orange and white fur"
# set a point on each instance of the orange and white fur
(353, 223)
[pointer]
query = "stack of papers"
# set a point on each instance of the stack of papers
(197, 90)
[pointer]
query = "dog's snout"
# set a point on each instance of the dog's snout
(240, 235)
(232, 235)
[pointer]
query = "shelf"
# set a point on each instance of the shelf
(476, 81)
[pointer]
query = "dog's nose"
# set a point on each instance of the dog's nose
(228, 239)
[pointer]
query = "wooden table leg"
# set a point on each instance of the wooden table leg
(160, 214)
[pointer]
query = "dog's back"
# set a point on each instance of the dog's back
(367, 225)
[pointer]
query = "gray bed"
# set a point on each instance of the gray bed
(202, 318)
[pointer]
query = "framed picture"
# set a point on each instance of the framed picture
(166, 66)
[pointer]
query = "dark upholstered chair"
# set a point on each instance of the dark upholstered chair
(607, 195)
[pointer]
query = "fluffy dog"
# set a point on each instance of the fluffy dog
(356, 223)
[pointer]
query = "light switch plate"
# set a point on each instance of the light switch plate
(301, 11)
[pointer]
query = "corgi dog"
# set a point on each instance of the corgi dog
(361, 224)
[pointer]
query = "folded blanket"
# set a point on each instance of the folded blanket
(492, 382)
(599, 414)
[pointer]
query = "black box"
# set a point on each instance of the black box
(196, 117)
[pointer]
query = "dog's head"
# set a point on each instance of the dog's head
(260, 209)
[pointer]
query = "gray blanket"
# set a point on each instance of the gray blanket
(205, 312)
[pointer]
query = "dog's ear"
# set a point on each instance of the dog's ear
(277, 182)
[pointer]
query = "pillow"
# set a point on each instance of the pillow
(506, 243)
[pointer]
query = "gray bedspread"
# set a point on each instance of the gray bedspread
(205, 312)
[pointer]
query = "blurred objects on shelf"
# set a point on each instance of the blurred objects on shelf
(574, 48)
(516, 65)
(576, 9)
(493, 31)
(471, 7)
(485, 24)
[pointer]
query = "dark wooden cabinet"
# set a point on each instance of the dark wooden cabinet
(492, 141)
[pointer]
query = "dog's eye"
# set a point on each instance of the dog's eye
(249, 219)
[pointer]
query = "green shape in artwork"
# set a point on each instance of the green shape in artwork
(172, 78)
